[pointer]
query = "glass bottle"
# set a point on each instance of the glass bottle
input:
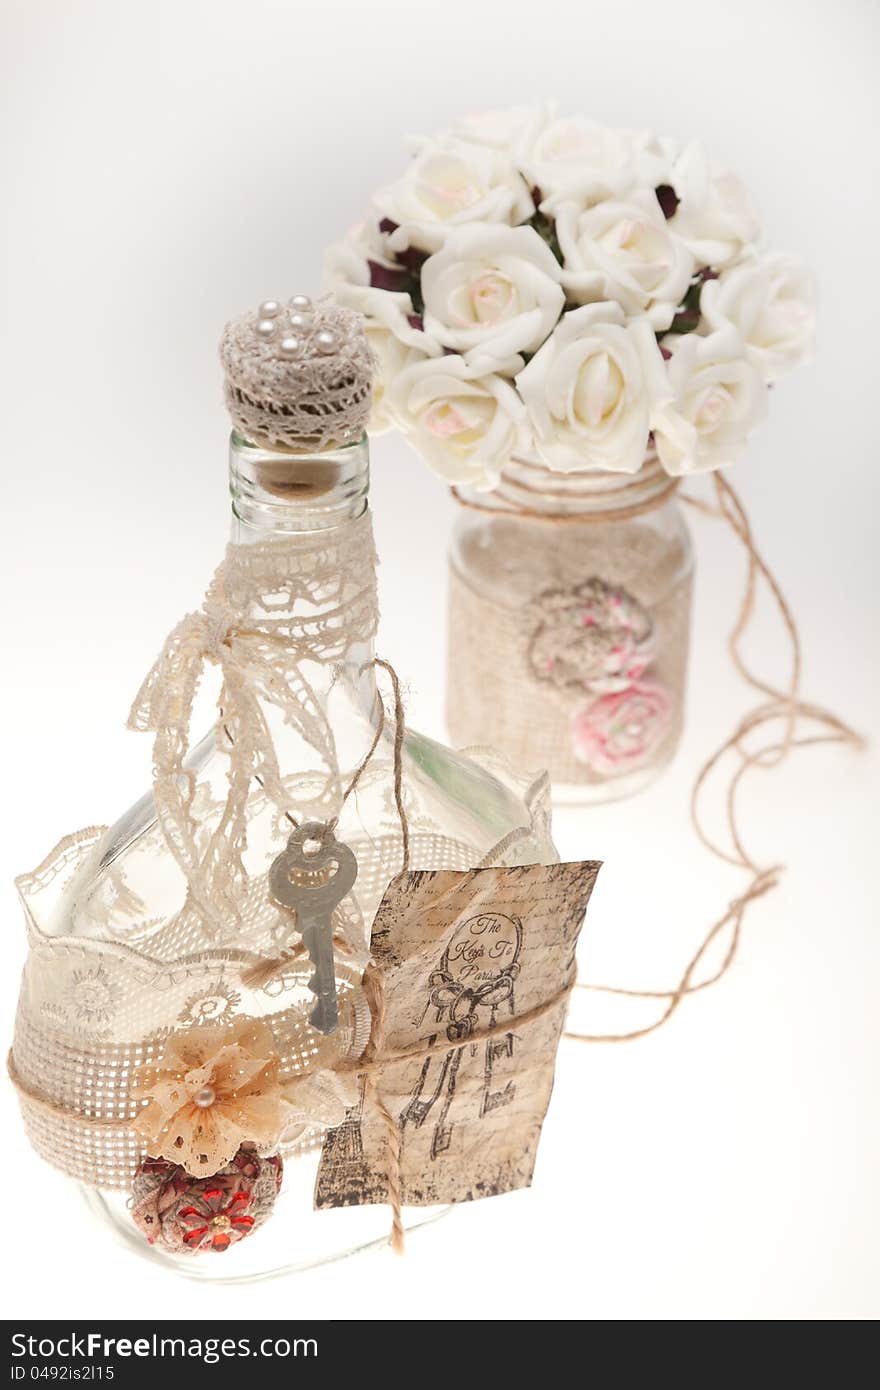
(110, 921)
(569, 612)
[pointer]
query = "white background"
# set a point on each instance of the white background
(168, 165)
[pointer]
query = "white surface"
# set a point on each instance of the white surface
(167, 165)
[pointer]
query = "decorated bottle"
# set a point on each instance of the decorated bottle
(569, 615)
(152, 939)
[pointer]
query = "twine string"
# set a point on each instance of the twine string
(264, 970)
(785, 705)
(372, 1060)
(596, 517)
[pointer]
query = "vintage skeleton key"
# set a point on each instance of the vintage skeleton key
(311, 877)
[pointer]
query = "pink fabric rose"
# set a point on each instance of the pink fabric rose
(616, 733)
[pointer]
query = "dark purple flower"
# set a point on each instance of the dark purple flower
(668, 199)
(382, 277)
(412, 258)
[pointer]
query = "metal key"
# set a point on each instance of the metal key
(311, 877)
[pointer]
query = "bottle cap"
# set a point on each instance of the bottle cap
(298, 375)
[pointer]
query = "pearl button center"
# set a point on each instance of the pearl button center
(205, 1097)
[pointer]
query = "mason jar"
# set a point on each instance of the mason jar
(569, 616)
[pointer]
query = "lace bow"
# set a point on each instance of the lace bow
(258, 668)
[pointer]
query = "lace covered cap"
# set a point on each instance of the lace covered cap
(299, 375)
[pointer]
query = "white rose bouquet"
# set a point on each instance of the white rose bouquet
(537, 285)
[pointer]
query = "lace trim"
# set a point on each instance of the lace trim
(271, 610)
(91, 1011)
(302, 398)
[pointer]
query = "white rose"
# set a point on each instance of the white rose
(715, 216)
(466, 425)
(718, 397)
(391, 357)
(591, 389)
(396, 337)
(348, 261)
(449, 183)
(393, 312)
(492, 291)
(573, 157)
(773, 304)
(501, 130)
(626, 252)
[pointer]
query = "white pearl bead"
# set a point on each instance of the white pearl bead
(290, 347)
(205, 1097)
(269, 309)
(265, 328)
(327, 341)
(301, 321)
(301, 304)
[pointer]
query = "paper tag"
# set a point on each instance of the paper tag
(461, 953)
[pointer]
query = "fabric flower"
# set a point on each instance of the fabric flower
(572, 156)
(448, 183)
(214, 1089)
(215, 1220)
(362, 257)
(595, 637)
(718, 397)
(624, 251)
(186, 1215)
(618, 733)
(467, 424)
(510, 218)
(591, 389)
(714, 217)
(500, 130)
(492, 291)
(772, 302)
(396, 337)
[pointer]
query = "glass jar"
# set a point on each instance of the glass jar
(569, 612)
(125, 951)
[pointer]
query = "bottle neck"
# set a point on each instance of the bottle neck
(301, 570)
(278, 492)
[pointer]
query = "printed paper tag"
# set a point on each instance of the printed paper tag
(461, 953)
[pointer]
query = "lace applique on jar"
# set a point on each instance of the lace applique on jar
(594, 636)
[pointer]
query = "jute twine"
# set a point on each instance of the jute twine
(785, 706)
(623, 513)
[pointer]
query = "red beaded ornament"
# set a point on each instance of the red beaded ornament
(187, 1215)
